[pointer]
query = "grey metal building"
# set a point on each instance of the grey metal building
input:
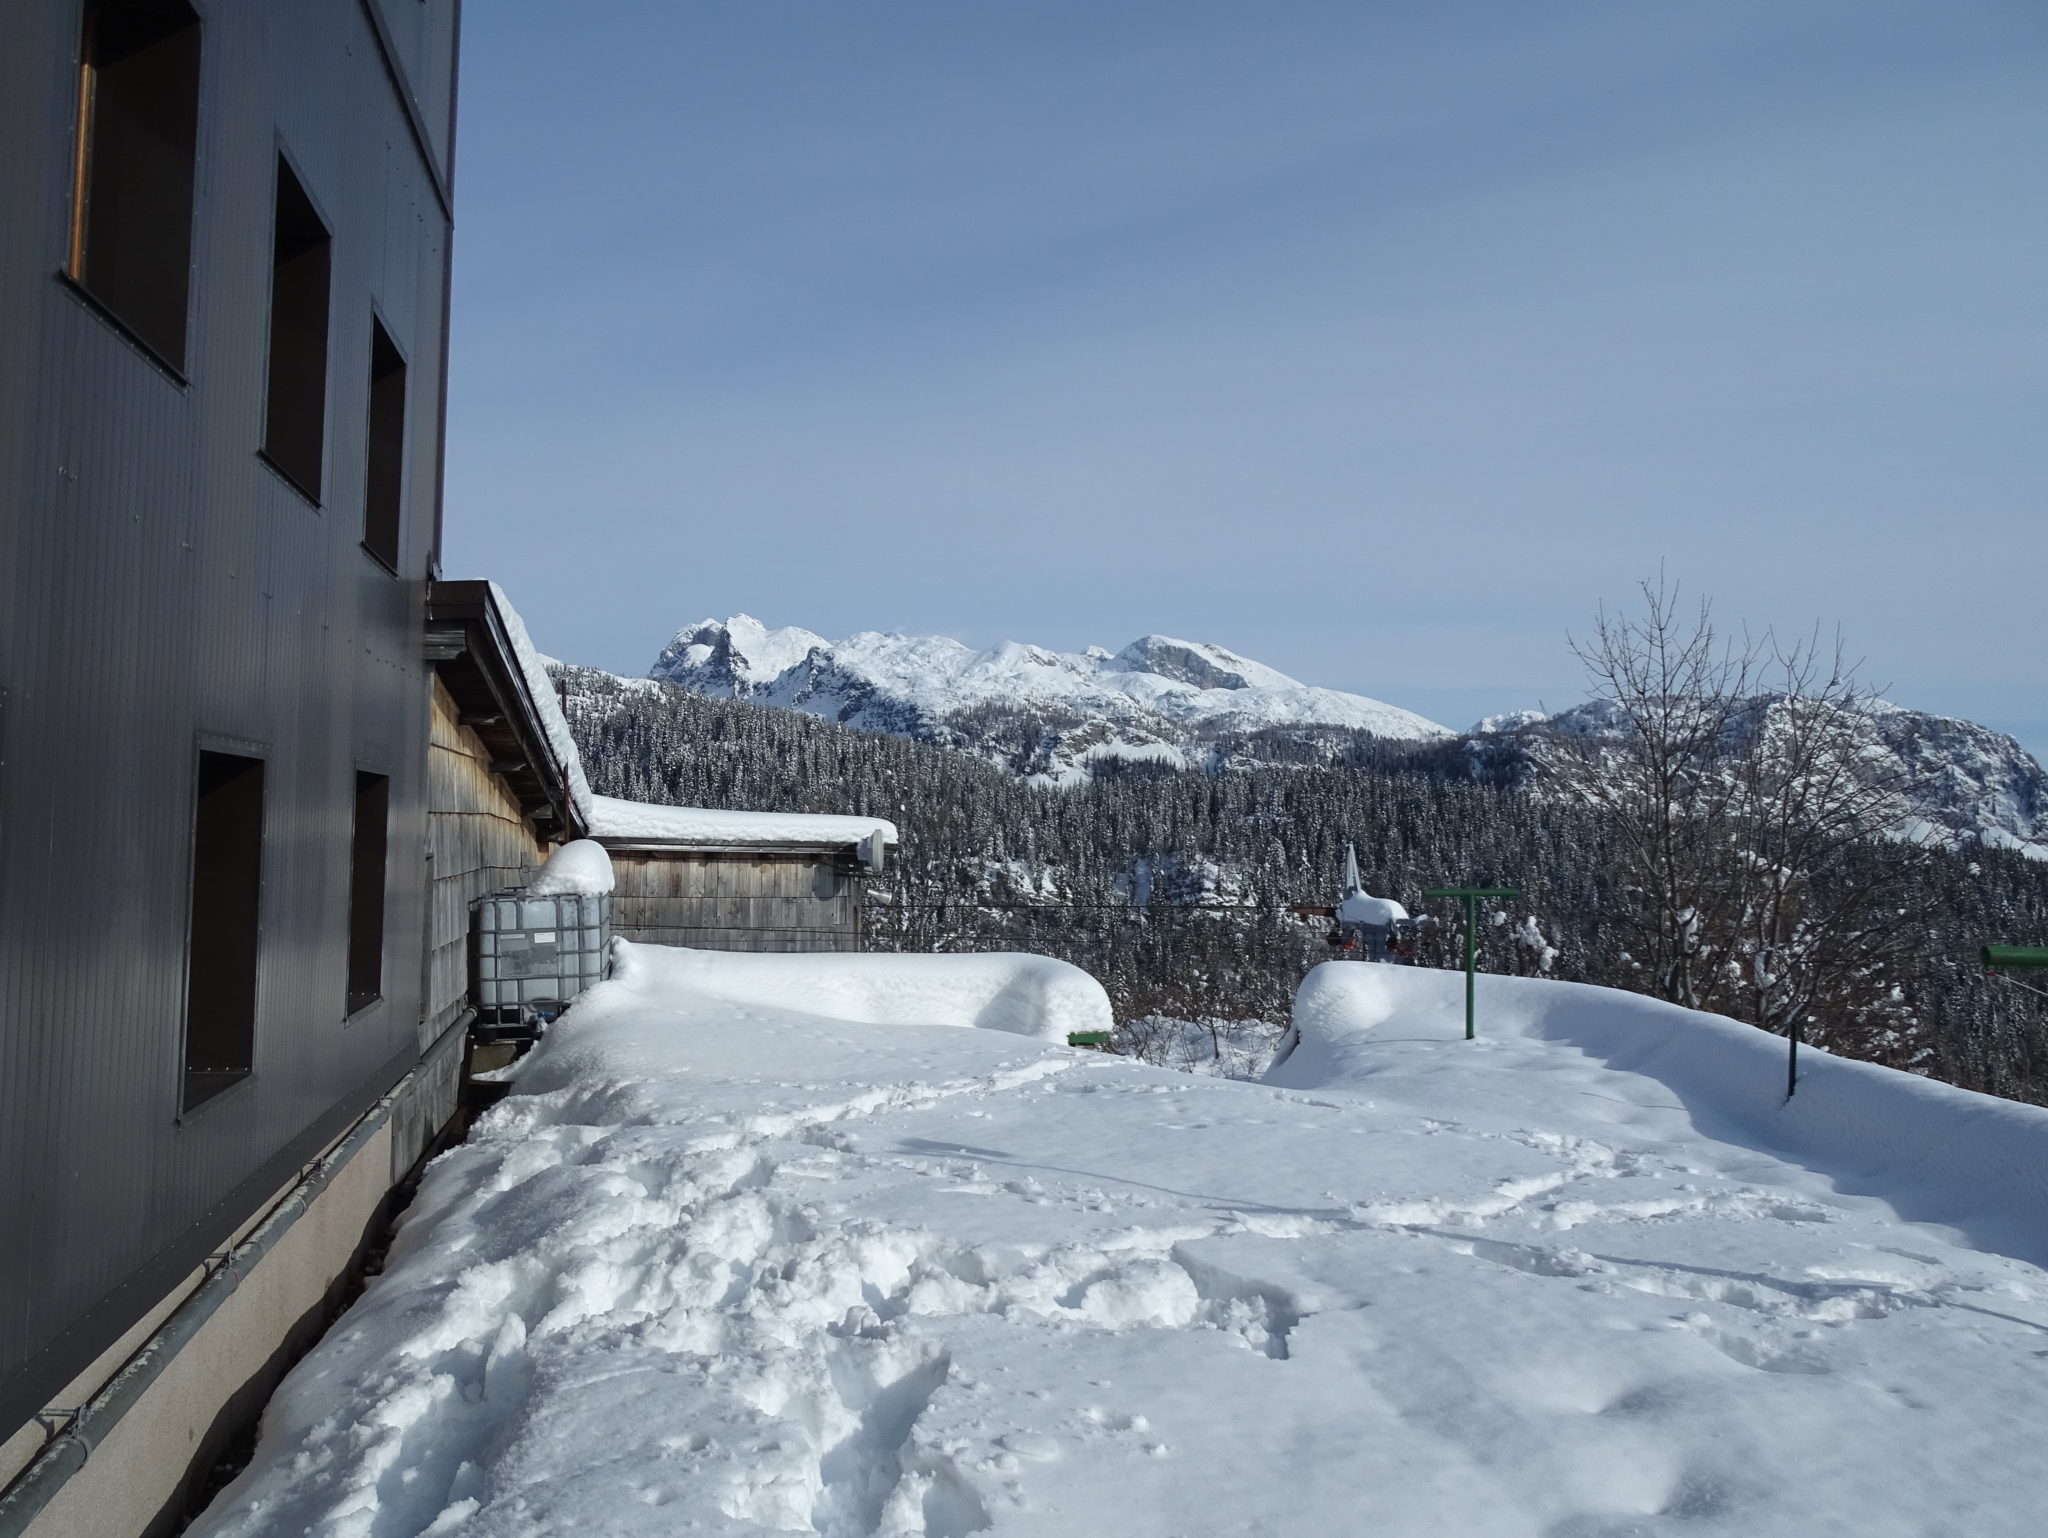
(224, 245)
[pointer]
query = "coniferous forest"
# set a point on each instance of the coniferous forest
(1176, 887)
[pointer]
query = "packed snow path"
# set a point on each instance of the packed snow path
(731, 1268)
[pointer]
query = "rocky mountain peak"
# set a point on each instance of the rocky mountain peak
(1159, 698)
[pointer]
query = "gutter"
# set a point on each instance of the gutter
(68, 1450)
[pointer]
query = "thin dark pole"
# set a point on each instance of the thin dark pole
(1471, 957)
(1792, 1060)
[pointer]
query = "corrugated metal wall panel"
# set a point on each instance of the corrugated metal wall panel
(158, 581)
(423, 34)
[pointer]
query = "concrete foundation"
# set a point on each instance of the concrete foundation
(138, 1469)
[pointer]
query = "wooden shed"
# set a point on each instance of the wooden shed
(739, 881)
(500, 789)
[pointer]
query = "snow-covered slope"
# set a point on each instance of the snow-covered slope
(1971, 785)
(1974, 781)
(1157, 698)
(748, 1266)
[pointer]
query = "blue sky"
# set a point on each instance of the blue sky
(1379, 342)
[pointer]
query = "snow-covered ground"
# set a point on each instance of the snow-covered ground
(728, 1262)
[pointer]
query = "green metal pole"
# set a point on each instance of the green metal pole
(1471, 957)
(1470, 895)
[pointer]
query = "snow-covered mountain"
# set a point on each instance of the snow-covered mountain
(1049, 715)
(1045, 713)
(1970, 785)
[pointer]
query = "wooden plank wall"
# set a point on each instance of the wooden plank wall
(737, 902)
(477, 842)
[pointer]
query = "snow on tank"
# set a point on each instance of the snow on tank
(580, 869)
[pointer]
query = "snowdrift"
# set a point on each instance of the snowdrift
(1032, 996)
(633, 1043)
(1935, 1152)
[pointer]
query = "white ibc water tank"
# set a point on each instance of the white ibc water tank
(531, 956)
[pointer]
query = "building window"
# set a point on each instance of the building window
(220, 964)
(295, 410)
(384, 484)
(366, 892)
(131, 196)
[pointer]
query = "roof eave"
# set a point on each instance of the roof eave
(472, 653)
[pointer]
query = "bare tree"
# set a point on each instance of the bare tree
(1652, 755)
(1765, 828)
(1829, 853)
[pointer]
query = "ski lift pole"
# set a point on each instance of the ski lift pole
(1470, 895)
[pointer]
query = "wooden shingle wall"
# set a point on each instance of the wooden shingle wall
(477, 843)
(737, 902)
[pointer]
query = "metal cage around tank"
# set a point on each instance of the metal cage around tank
(531, 956)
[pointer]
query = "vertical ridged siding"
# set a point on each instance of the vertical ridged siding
(160, 583)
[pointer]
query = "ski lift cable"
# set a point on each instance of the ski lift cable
(2023, 987)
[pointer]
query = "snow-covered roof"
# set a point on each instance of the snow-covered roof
(1363, 908)
(710, 827)
(542, 688)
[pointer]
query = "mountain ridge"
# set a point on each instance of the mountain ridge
(1159, 698)
(1052, 716)
(1969, 783)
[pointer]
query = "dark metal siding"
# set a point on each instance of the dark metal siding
(161, 584)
